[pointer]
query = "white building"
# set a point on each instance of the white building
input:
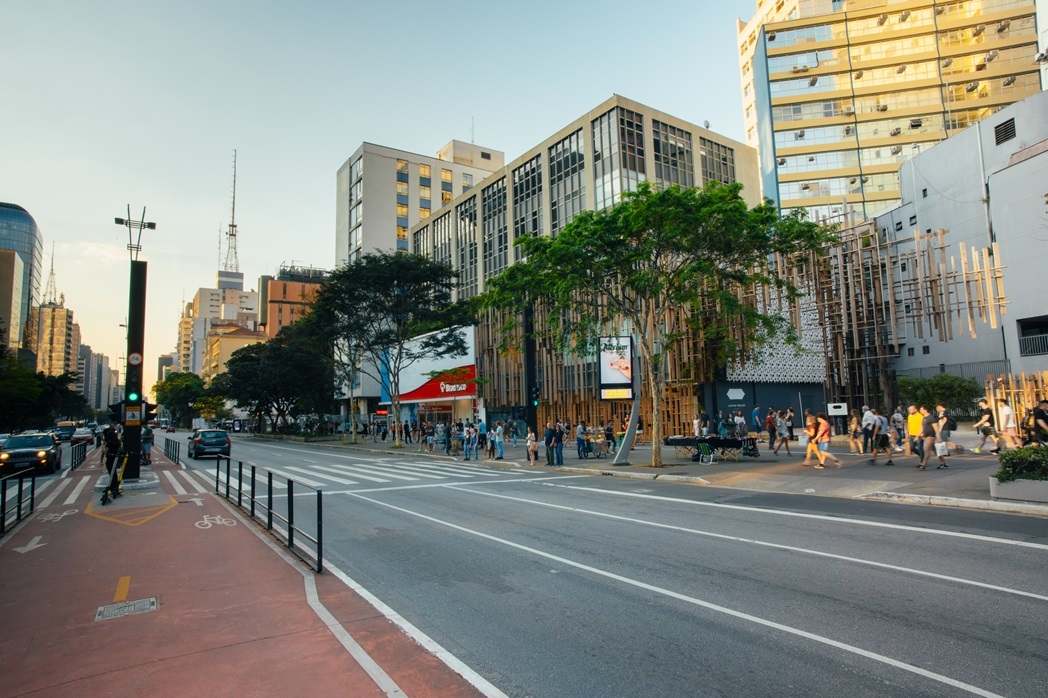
(986, 184)
(229, 302)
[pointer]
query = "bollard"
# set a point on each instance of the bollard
(291, 514)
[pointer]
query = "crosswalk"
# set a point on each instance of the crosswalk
(77, 488)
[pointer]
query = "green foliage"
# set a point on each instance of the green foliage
(955, 393)
(178, 392)
(1029, 463)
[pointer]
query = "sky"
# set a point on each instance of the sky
(109, 104)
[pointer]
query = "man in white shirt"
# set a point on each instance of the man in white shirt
(1008, 433)
(696, 427)
(869, 421)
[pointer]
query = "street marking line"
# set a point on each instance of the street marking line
(884, 659)
(817, 517)
(193, 482)
(303, 480)
(175, 483)
(54, 495)
(377, 472)
(131, 516)
(754, 541)
(122, 587)
(71, 499)
(333, 478)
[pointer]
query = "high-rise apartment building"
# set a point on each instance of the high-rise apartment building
(18, 232)
(847, 91)
(748, 33)
(382, 192)
(287, 298)
(57, 344)
(228, 303)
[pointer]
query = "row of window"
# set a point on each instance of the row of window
(839, 186)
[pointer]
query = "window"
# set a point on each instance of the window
(527, 200)
(445, 197)
(898, 226)
(402, 165)
(909, 351)
(485, 156)
(924, 193)
(423, 213)
(495, 228)
(424, 193)
(356, 169)
(926, 349)
(466, 227)
(402, 210)
(402, 188)
(566, 182)
(717, 161)
(1004, 132)
(913, 220)
(423, 171)
(467, 182)
(445, 175)
(618, 155)
(674, 159)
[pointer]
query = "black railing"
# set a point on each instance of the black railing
(79, 455)
(260, 507)
(172, 450)
(1033, 345)
(21, 500)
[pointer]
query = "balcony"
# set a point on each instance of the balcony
(1033, 345)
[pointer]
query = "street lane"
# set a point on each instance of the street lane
(550, 584)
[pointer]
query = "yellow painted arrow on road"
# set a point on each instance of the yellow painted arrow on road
(131, 516)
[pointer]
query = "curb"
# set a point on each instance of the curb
(981, 504)
(609, 473)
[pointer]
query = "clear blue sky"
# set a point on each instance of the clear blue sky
(111, 103)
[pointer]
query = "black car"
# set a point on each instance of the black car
(40, 452)
(208, 442)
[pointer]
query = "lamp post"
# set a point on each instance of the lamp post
(134, 401)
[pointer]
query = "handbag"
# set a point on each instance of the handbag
(941, 449)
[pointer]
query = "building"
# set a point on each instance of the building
(228, 303)
(287, 298)
(586, 165)
(164, 365)
(57, 342)
(11, 318)
(986, 187)
(748, 32)
(18, 232)
(397, 189)
(224, 338)
(844, 96)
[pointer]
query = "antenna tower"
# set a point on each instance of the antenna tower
(232, 263)
(51, 292)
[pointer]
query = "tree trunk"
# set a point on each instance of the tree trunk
(657, 388)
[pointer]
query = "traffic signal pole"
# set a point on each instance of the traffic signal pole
(134, 401)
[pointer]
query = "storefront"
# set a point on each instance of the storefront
(438, 389)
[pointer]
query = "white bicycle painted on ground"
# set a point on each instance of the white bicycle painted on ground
(210, 521)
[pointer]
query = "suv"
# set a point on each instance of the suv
(206, 442)
(39, 451)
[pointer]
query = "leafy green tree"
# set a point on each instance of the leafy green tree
(244, 382)
(955, 393)
(20, 391)
(388, 310)
(633, 268)
(178, 392)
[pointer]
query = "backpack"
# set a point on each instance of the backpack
(951, 423)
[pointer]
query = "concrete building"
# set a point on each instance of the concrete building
(163, 364)
(396, 189)
(11, 279)
(985, 185)
(228, 302)
(747, 33)
(224, 338)
(287, 298)
(19, 232)
(57, 342)
(846, 92)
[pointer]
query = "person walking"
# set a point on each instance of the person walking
(810, 430)
(547, 440)
(580, 439)
(769, 426)
(1008, 432)
(783, 434)
(868, 420)
(532, 445)
(789, 421)
(930, 434)
(915, 432)
(111, 447)
(880, 440)
(822, 436)
(500, 434)
(985, 427)
(898, 422)
(855, 432)
(558, 444)
(482, 435)
(757, 419)
(947, 425)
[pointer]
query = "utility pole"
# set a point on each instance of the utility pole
(134, 400)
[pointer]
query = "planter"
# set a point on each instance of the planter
(1019, 490)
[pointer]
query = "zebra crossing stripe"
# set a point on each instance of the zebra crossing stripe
(77, 490)
(304, 481)
(193, 482)
(376, 470)
(174, 483)
(340, 480)
(54, 495)
(454, 468)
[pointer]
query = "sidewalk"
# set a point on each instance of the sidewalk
(212, 609)
(965, 484)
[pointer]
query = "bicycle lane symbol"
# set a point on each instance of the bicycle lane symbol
(210, 521)
(56, 516)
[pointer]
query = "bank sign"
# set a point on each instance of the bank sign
(449, 385)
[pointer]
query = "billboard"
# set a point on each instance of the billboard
(616, 368)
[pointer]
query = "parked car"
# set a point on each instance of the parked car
(3, 439)
(208, 442)
(40, 452)
(82, 435)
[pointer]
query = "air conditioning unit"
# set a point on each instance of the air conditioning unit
(881, 107)
(800, 134)
(895, 131)
(847, 130)
(853, 180)
(814, 79)
(865, 180)
(916, 123)
(904, 16)
(847, 110)
(811, 158)
(978, 29)
(896, 149)
(1003, 26)
(947, 63)
(901, 69)
(1041, 57)
(881, 20)
(805, 187)
(991, 55)
(939, 10)
(971, 87)
(771, 36)
(858, 74)
(1009, 81)
(781, 161)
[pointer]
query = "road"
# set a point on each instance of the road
(552, 584)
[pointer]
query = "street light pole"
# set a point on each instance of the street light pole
(134, 401)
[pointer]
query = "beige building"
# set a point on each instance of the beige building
(747, 33)
(288, 297)
(228, 303)
(222, 340)
(57, 344)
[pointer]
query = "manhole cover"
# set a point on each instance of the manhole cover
(126, 608)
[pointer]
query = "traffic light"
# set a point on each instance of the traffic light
(116, 412)
(536, 395)
(148, 413)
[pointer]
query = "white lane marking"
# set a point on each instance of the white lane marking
(451, 485)
(377, 471)
(697, 602)
(303, 480)
(306, 460)
(415, 472)
(193, 482)
(350, 470)
(377, 674)
(754, 541)
(30, 546)
(245, 483)
(175, 483)
(469, 470)
(54, 495)
(818, 517)
(312, 471)
(77, 490)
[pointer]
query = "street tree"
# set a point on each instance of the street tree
(664, 266)
(244, 382)
(177, 393)
(388, 310)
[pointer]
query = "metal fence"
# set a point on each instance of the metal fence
(24, 504)
(976, 370)
(263, 507)
(1033, 345)
(172, 450)
(79, 455)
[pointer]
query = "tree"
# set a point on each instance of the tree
(664, 265)
(20, 391)
(178, 392)
(953, 392)
(388, 310)
(244, 382)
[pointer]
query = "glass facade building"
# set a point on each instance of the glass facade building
(847, 93)
(19, 232)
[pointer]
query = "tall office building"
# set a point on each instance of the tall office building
(847, 91)
(228, 302)
(382, 192)
(57, 344)
(11, 318)
(747, 33)
(18, 232)
(288, 297)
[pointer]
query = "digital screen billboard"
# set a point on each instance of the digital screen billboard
(616, 368)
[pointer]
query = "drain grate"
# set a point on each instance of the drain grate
(126, 608)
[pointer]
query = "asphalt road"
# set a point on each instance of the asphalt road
(552, 584)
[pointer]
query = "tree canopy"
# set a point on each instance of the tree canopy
(178, 393)
(664, 265)
(387, 310)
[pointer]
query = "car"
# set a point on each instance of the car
(170, 428)
(4, 438)
(64, 430)
(39, 452)
(82, 435)
(205, 442)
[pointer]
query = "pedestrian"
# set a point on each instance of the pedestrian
(467, 447)
(867, 424)
(111, 449)
(740, 424)
(898, 422)
(580, 438)
(431, 436)
(500, 434)
(405, 432)
(782, 432)
(609, 436)
(704, 423)
(985, 427)
(855, 432)
(880, 440)
(1008, 429)
(532, 444)
(558, 444)
(769, 425)
(1039, 432)
(147, 445)
(822, 436)
(547, 440)
(696, 427)
(810, 430)
(915, 432)
(930, 434)
(757, 419)
(947, 425)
